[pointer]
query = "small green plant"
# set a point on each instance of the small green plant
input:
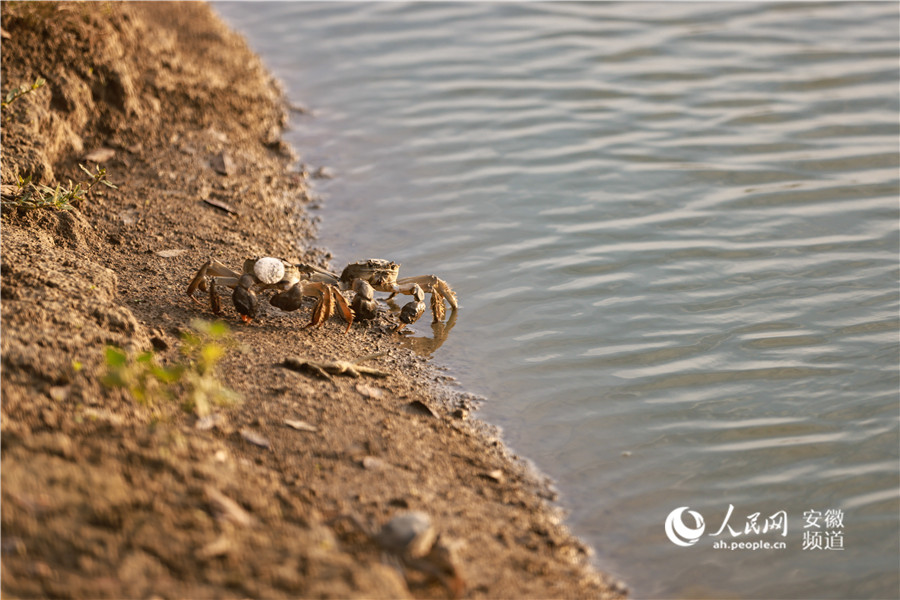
(34, 195)
(201, 350)
(141, 376)
(16, 93)
(192, 380)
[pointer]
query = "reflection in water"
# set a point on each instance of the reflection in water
(424, 345)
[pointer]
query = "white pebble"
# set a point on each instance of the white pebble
(268, 270)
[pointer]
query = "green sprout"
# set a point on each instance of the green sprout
(31, 195)
(192, 380)
(16, 93)
(145, 380)
(202, 349)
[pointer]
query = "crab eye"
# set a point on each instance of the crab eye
(269, 270)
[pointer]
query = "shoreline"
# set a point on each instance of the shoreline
(106, 497)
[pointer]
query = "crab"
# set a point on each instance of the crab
(292, 283)
(382, 276)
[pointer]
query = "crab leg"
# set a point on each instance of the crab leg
(327, 298)
(340, 302)
(212, 268)
(316, 274)
(438, 288)
(324, 307)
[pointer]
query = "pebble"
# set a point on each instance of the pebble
(408, 533)
(373, 464)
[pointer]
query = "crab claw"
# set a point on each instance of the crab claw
(244, 299)
(440, 291)
(411, 311)
(364, 306)
(288, 300)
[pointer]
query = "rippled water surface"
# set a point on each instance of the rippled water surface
(673, 229)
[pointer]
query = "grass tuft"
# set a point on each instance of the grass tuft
(30, 195)
(191, 380)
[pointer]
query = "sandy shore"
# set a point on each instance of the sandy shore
(107, 497)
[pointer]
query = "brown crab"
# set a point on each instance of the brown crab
(293, 282)
(382, 276)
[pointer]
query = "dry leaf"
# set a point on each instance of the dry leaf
(221, 206)
(228, 508)
(208, 422)
(171, 253)
(254, 438)
(100, 155)
(300, 425)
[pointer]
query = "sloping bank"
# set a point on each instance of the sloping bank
(105, 497)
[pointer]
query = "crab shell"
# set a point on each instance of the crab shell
(377, 271)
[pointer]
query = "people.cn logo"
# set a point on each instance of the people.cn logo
(678, 532)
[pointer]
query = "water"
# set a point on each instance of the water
(673, 229)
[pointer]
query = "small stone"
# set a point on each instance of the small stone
(59, 392)
(461, 414)
(272, 137)
(222, 164)
(370, 391)
(373, 464)
(409, 534)
(495, 475)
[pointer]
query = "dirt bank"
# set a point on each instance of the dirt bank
(106, 497)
